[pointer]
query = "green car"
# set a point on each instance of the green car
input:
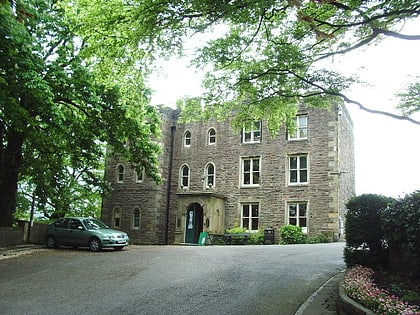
(84, 232)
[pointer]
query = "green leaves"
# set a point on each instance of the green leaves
(292, 234)
(57, 111)
(410, 99)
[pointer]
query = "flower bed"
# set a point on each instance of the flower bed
(359, 286)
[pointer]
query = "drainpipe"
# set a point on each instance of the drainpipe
(168, 190)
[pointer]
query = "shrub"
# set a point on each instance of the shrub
(321, 238)
(292, 234)
(257, 238)
(354, 257)
(236, 230)
(364, 231)
(400, 223)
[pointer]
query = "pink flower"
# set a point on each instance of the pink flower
(359, 285)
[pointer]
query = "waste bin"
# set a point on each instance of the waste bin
(269, 236)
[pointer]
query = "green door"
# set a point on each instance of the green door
(194, 224)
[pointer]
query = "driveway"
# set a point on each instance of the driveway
(269, 279)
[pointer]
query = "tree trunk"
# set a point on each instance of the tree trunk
(10, 162)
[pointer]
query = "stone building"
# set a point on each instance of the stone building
(215, 178)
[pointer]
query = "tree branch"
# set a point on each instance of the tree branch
(344, 51)
(398, 35)
(380, 112)
(350, 101)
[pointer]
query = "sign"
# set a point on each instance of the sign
(204, 237)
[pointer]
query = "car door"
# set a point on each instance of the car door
(61, 230)
(77, 233)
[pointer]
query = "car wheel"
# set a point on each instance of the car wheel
(95, 244)
(118, 247)
(51, 242)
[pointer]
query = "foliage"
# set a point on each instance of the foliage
(358, 284)
(401, 222)
(57, 113)
(257, 238)
(321, 238)
(410, 98)
(292, 234)
(236, 230)
(360, 256)
(363, 229)
(404, 286)
(264, 56)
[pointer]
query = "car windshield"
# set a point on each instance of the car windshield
(93, 224)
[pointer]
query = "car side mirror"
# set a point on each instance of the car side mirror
(80, 228)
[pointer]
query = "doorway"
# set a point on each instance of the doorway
(194, 223)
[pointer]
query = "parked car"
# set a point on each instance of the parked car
(84, 232)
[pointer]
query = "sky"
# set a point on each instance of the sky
(387, 151)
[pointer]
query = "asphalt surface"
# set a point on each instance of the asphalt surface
(272, 279)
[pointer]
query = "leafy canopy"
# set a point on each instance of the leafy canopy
(57, 113)
(266, 55)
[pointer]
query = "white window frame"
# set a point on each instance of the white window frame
(299, 170)
(120, 173)
(117, 218)
(139, 178)
(207, 176)
(211, 136)
(250, 217)
(253, 135)
(183, 176)
(297, 216)
(187, 139)
(301, 131)
(135, 219)
(251, 171)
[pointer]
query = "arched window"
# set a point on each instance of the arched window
(138, 177)
(209, 176)
(120, 173)
(136, 219)
(184, 176)
(187, 139)
(211, 136)
(117, 217)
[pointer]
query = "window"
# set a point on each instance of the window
(301, 131)
(252, 134)
(211, 136)
(250, 171)
(249, 216)
(298, 169)
(298, 215)
(62, 223)
(187, 139)
(209, 175)
(120, 173)
(136, 219)
(75, 224)
(117, 218)
(184, 177)
(139, 176)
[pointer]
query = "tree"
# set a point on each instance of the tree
(400, 223)
(56, 114)
(268, 56)
(363, 229)
(410, 99)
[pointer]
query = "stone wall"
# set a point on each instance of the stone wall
(329, 148)
(157, 219)
(12, 236)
